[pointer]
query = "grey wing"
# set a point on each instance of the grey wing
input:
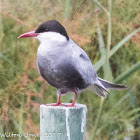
(83, 64)
(86, 69)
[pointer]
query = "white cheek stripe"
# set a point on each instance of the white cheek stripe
(51, 37)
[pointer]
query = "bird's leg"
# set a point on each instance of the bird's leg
(58, 100)
(73, 103)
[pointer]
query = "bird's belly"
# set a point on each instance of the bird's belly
(61, 74)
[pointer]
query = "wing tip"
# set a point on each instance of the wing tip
(121, 86)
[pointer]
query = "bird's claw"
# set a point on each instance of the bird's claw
(57, 104)
(71, 105)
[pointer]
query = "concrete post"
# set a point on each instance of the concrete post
(62, 123)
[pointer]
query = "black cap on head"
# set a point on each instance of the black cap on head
(52, 26)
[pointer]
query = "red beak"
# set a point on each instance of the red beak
(28, 34)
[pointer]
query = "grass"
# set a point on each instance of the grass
(110, 37)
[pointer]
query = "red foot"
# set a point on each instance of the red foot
(71, 105)
(57, 104)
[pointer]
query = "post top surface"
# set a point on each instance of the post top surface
(77, 106)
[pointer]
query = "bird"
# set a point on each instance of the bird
(65, 65)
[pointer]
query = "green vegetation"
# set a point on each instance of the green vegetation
(107, 30)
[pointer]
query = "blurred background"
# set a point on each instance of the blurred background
(108, 30)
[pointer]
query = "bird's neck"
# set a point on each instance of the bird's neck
(51, 47)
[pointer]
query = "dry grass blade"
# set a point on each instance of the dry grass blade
(122, 42)
(21, 118)
(1, 132)
(100, 62)
(101, 6)
(127, 73)
(67, 13)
